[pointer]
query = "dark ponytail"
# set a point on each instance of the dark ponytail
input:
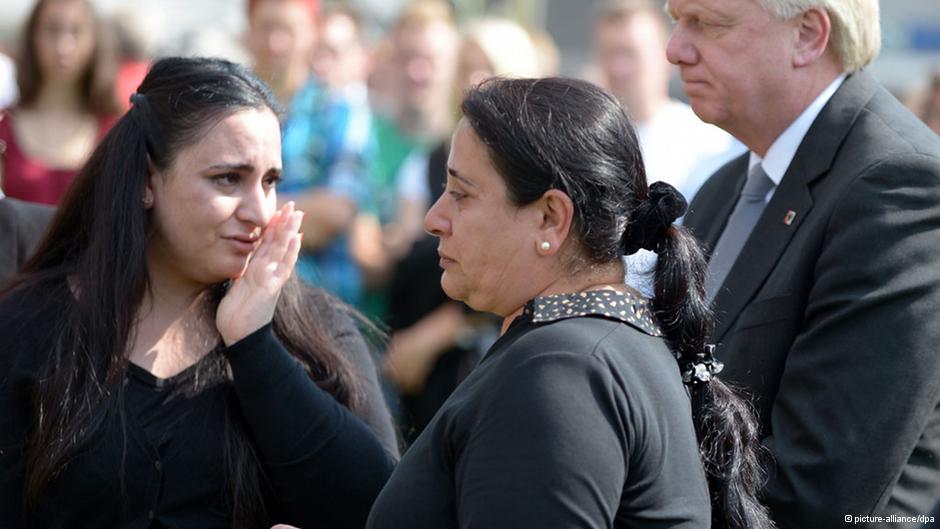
(725, 424)
(570, 135)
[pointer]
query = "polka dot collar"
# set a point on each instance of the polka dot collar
(626, 307)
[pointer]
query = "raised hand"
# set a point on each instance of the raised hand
(249, 303)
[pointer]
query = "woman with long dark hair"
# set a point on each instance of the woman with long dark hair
(159, 363)
(580, 414)
(65, 73)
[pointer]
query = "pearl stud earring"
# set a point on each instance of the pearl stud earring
(545, 246)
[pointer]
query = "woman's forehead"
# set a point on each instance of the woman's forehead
(246, 137)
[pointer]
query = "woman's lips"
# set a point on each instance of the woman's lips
(244, 245)
(445, 260)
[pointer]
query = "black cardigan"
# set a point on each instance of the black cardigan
(323, 464)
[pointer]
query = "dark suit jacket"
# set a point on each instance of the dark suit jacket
(832, 321)
(21, 226)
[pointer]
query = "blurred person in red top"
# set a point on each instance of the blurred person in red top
(65, 75)
(281, 37)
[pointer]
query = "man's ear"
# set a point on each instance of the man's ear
(556, 216)
(814, 28)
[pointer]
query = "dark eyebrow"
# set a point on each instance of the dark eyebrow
(241, 168)
(453, 172)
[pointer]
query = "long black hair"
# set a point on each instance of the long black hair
(96, 244)
(570, 135)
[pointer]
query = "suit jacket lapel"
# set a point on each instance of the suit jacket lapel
(772, 234)
(761, 251)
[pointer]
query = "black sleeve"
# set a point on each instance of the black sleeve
(549, 450)
(374, 411)
(324, 464)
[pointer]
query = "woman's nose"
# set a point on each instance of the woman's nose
(436, 222)
(257, 206)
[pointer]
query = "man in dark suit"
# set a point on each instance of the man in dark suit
(21, 226)
(824, 247)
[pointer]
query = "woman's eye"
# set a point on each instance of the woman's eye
(272, 181)
(457, 195)
(227, 179)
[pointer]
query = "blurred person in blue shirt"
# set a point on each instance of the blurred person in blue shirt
(327, 132)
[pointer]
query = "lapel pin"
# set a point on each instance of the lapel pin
(788, 218)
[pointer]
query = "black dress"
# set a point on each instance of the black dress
(576, 417)
(160, 462)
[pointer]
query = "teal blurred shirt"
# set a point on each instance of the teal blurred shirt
(328, 144)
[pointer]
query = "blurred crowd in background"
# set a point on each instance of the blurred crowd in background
(369, 107)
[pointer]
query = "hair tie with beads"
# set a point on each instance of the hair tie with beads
(701, 367)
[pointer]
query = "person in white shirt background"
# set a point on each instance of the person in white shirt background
(678, 148)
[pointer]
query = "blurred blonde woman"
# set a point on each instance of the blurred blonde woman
(485, 52)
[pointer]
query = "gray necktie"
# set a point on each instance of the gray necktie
(739, 227)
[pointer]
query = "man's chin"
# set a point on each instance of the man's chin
(704, 112)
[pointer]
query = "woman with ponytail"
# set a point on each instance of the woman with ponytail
(596, 407)
(160, 365)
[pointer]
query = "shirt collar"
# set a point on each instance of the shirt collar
(621, 306)
(783, 149)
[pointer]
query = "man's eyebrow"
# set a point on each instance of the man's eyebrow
(453, 172)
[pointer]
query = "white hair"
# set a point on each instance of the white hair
(856, 28)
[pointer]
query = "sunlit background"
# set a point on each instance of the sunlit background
(911, 28)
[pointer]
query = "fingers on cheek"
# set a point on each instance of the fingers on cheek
(272, 224)
(293, 250)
